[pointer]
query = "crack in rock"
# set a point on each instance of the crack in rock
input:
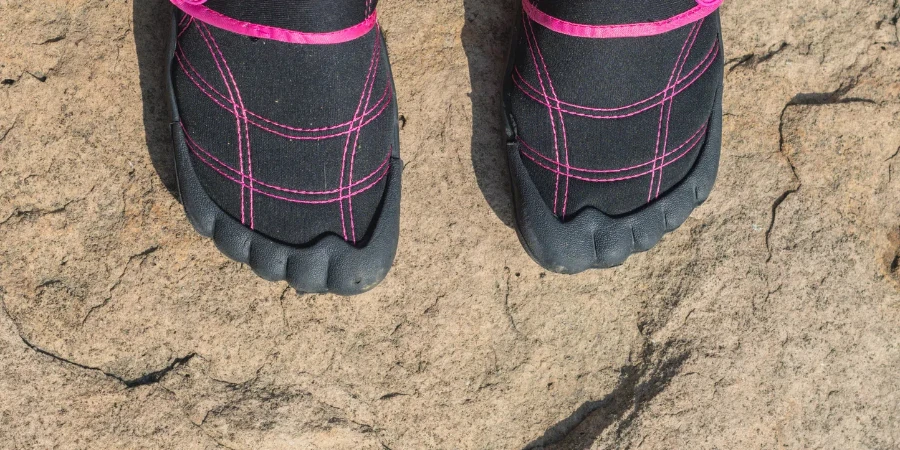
(638, 385)
(835, 97)
(156, 376)
(97, 306)
(38, 212)
(506, 309)
(284, 315)
(11, 127)
(112, 288)
(778, 201)
(751, 60)
(149, 378)
(891, 260)
(391, 395)
(144, 380)
(54, 39)
(893, 19)
(787, 193)
(38, 75)
(200, 427)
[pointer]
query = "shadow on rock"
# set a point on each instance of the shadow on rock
(151, 35)
(486, 38)
(638, 385)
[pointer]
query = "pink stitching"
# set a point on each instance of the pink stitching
(190, 20)
(236, 115)
(662, 109)
(356, 139)
(701, 11)
(562, 122)
(382, 103)
(278, 197)
(537, 72)
(356, 116)
(195, 147)
(621, 116)
(679, 67)
(383, 108)
(624, 169)
(672, 90)
(240, 112)
(245, 129)
(698, 27)
(226, 23)
(706, 61)
(669, 113)
(609, 180)
(371, 77)
(329, 136)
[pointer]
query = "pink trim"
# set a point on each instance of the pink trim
(703, 9)
(219, 20)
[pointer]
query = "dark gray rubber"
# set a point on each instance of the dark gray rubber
(328, 265)
(592, 239)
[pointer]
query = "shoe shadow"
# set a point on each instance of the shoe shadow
(486, 38)
(638, 386)
(151, 36)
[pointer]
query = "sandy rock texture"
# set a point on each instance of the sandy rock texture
(771, 319)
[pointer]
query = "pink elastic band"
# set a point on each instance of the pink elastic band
(195, 9)
(703, 9)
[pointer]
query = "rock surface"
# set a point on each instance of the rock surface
(770, 319)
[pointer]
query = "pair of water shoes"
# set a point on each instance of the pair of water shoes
(287, 141)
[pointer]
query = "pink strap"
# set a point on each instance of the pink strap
(195, 9)
(703, 9)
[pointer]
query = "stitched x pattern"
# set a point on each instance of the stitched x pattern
(543, 92)
(371, 106)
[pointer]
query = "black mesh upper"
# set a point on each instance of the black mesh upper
(320, 128)
(599, 123)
